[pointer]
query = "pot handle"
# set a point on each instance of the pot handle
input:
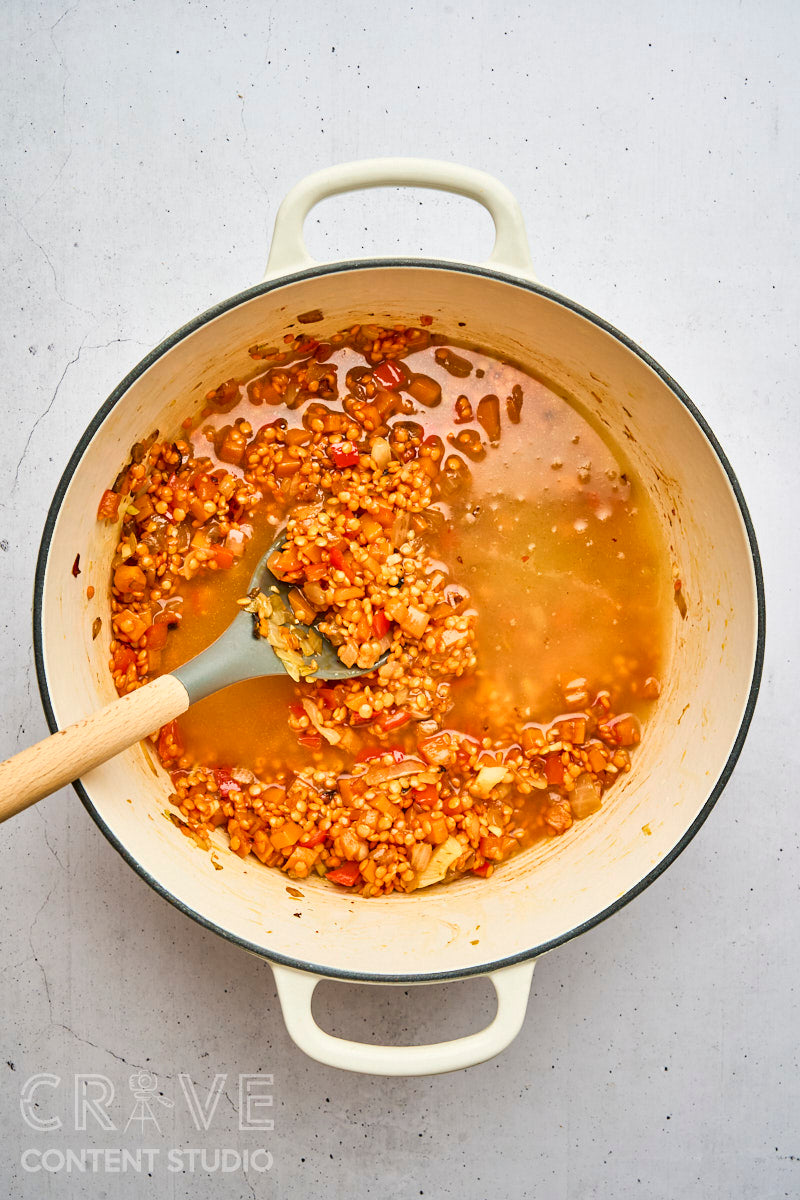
(296, 988)
(288, 250)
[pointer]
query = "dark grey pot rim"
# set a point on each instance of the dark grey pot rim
(436, 265)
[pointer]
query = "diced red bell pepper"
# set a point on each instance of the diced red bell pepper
(312, 740)
(367, 755)
(297, 710)
(390, 375)
(554, 769)
(340, 563)
(482, 870)
(123, 657)
(394, 720)
(108, 508)
(170, 736)
(225, 781)
(316, 839)
(223, 558)
(345, 875)
(343, 456)
(380, 623)
(426, 796)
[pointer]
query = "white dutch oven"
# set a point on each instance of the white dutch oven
(555, 890)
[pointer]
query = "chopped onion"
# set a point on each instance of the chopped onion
(441, 861)
(396, 770)
(586, 798)
(487, 779)
(315, 717)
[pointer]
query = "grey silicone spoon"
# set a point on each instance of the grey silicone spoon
(236, 655)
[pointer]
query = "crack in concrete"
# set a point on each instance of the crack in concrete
(47, 841)
(42, 416)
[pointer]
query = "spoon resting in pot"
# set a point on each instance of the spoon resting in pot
(239, 653)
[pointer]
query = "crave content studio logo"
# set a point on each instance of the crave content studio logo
(102, 1129)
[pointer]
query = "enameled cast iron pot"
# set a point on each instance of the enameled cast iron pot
(555, 890)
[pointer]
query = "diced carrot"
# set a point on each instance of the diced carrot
(387, 807)
(288, 834)
(625, 730)
(316, 572)
(124, 656)
(573, 730)
(491, 847)
(533, 738)
(597, 759)
(108, 508)
(155, 638)
(438, 833)
(385, 515)
(204, 486)
(554, 769)
(436, 749)
(223, 558)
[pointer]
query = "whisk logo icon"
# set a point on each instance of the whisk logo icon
(144, 1086)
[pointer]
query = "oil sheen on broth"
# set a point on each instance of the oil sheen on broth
(553, 536)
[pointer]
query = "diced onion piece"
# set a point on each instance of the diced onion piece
(315, 717)
(396, 770)
(441, 860)
(488, 778)
(380, 452)
(585, 799)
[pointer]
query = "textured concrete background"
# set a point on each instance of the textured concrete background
(145, 148)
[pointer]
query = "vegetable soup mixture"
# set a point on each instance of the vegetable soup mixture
(457, 530)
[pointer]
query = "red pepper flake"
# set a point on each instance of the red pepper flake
(525, 557)
(76, 567)
(426, 320)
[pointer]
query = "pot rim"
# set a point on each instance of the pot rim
(427, 264)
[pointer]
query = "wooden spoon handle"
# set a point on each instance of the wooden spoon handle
(68, 754)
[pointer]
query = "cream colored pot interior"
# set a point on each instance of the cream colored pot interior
(547, 892)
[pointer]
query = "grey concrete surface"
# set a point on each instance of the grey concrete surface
(145, 148)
